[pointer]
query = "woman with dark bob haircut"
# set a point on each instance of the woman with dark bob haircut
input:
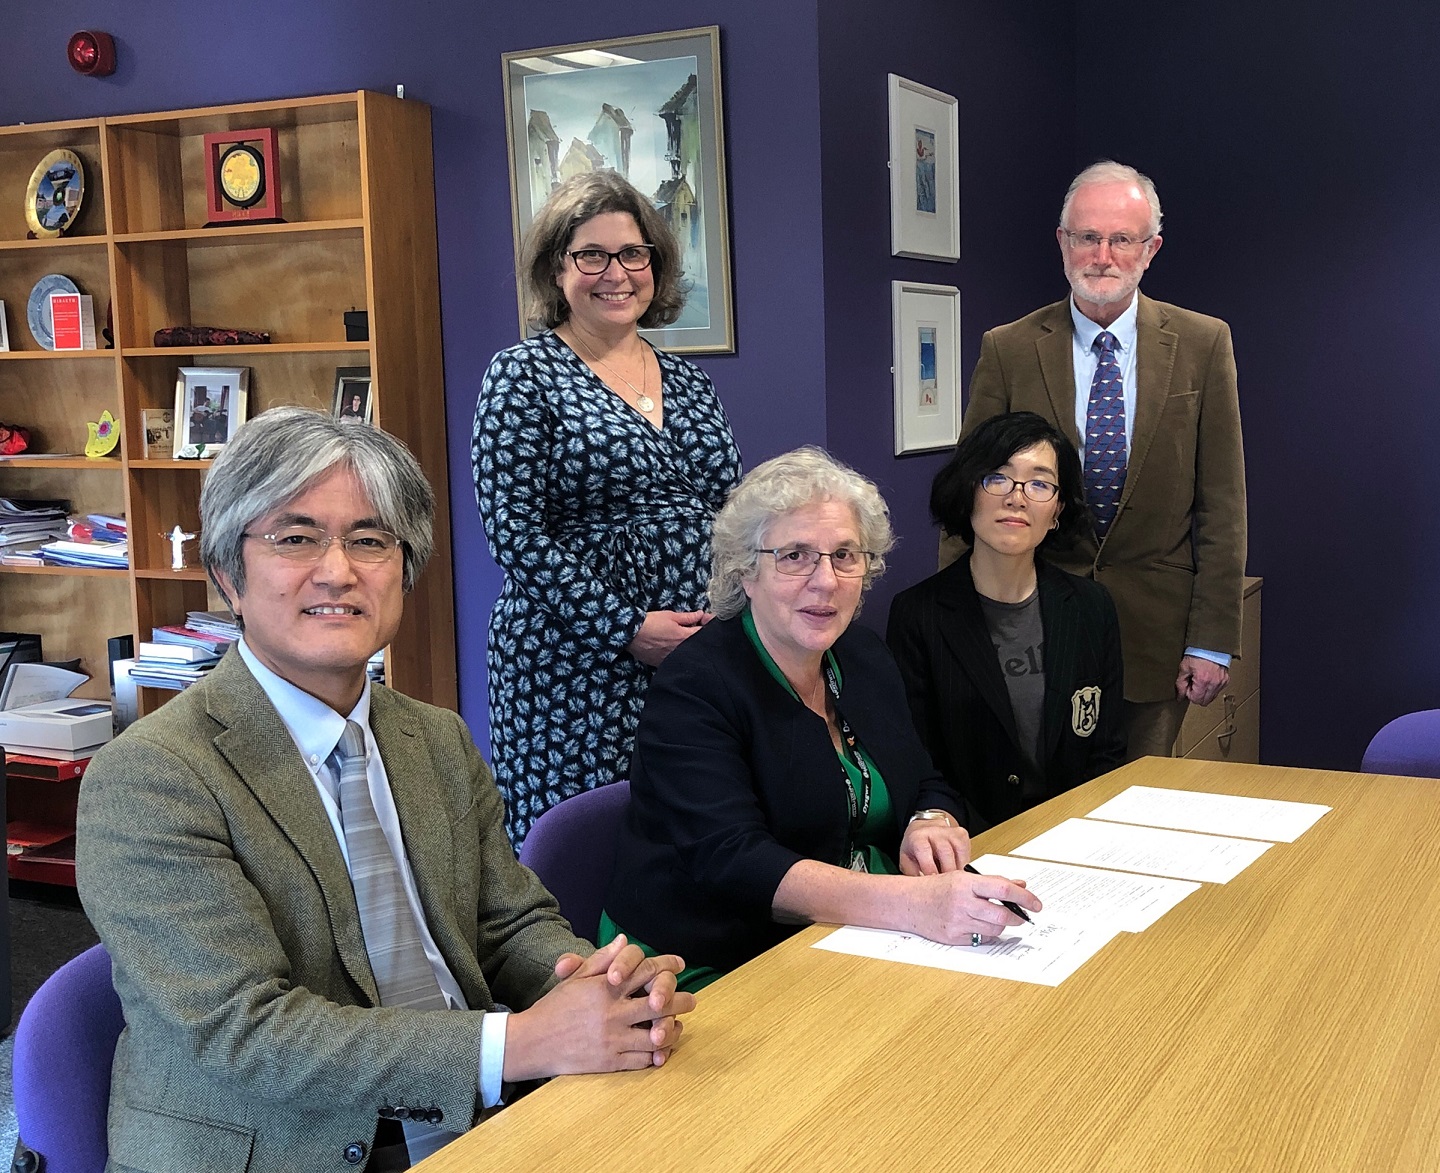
(599, 462)
(1012, 666)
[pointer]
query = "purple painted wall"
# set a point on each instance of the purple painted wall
(1012, 68)
(447, 53)
(1294, 150)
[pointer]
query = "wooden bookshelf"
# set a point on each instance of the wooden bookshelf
(357, 182)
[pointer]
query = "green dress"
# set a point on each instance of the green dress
(877, 826)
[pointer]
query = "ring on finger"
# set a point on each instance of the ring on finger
(975, 940)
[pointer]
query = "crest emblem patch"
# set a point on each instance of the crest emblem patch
(1085, 710)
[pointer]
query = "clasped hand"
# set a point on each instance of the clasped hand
(662, 632)
(616, 1010)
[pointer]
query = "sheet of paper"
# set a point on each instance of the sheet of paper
(34, 684)
(1215, 814)
(1043, 954)
(1181, 854)
(1088, 896)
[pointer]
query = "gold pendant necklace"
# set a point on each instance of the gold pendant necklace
(642, 396)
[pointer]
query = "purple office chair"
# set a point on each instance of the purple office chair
(64, 1047)
(571, 848)
(1408, 745)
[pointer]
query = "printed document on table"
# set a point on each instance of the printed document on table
(1215, 814)
(1087, 896)
(1043, 954)
(1181, 854)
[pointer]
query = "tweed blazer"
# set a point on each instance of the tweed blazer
(1174, 558)
(209, 868)
(734, 781)
(961, 706)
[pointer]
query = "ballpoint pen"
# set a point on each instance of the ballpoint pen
(1009, 904)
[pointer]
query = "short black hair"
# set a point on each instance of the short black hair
(983, 451)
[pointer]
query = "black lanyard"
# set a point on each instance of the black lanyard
(859, 810)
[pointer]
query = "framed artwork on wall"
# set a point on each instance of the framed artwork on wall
(209, 408)
(352, 394)
(649, 108)
(926, 321)
(924, 172)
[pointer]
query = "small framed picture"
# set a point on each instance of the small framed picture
(159, 425)
(209, 408)
(924, 172)
(352, 394)
(926, 321)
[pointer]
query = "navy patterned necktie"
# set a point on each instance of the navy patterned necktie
(1105, 452)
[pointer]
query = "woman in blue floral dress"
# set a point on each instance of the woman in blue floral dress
(599, 463)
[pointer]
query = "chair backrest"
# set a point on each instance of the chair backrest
(571, 848)
(64, 1048)
(1408, 745)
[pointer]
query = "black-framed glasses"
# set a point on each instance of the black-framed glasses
(308, 543)
(997, 484)
(801, 561)
(1122, 243)
(594, 261)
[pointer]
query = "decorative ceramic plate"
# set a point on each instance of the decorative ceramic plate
(55, 193)
(37, 312)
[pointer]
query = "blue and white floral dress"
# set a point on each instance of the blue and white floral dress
(596, 517)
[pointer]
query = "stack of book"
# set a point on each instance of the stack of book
(26, 522)
(105, 555)
(44, 831)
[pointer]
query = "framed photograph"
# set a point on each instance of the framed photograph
(209, 407)
(649, 108)
(159, 426)
(924, 172)
(352, 394)
(927, 365)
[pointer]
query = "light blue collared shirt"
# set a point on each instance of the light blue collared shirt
(315, 729)
(1086, 359)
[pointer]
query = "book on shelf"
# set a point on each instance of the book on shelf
(44, 769)
(175, 633)
(176, 653)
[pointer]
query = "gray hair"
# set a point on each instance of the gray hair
(771, 490)
(1109, 171)
(278, 455)
(579, 199)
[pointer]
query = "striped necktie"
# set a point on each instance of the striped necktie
(392, 939)
(1105, 451)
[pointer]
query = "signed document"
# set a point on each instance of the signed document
(1181, 854)
(1089, 896)
(1215, 814)
(1043, 954)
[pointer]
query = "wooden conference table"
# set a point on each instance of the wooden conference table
(1286, 1020)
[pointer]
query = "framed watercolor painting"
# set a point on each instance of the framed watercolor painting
(926, 323)
(924, 172)
(649, 108)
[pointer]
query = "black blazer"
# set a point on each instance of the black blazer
(734, 781)
(962, 709)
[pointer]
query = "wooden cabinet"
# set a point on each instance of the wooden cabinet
(357, 182)
(1228, 729)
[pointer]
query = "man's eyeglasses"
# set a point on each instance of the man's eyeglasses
(1122, 243)
(594, 261)
(801, 561)
(997, 484)
(308, 543)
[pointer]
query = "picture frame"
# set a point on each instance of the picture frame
(210, 405)
(650, 107)
(352, 398)
(926, 339)
(924, 172)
